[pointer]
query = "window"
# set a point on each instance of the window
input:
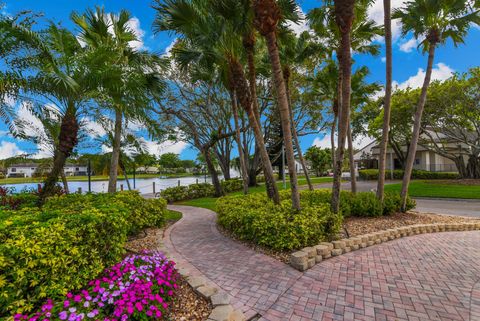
(417, 161)
(77, 169)
(14, 170)
(32, 168)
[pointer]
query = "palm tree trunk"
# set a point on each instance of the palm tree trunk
(284, 115)
(243, 91)
(249, 46)
(65, 182)
(332, 138)
(213, 172)
(353, 176)
(112, 182)
(382, 161)
(67, 141)
(412, 150)
(344, 19)
(294, 131)
(243, 166)
(124, 170)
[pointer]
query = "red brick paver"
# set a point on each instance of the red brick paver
(423, 277)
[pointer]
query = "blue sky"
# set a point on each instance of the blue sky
(408, 63)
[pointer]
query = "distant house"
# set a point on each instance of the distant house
(298, 167)
(32, 169)
(425, 159)
(22, 170)
(75, 170)
(147, 170)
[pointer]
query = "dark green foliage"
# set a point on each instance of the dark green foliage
(181, 193)
(372, 174)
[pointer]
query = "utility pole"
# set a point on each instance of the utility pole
(89, 173)
(283, 166)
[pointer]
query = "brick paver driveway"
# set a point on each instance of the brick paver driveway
(423, 277)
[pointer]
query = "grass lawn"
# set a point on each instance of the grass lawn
(21, 180)
(441, 189)
(210, 202)
(172, 216)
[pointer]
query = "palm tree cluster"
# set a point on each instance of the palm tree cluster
(237, 75)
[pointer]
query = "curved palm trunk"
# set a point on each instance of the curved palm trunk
(243, 91)
(65, 182)
(243, 166)
(284, 115)
(344, 18)
(412, 150)
(294, 132)
(213, 172)
(67, 140)
(112, 181)
(353, 176)
(249, 46)
(124, 170)
(382, 161)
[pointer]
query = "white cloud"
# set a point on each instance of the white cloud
(383, 59)
(93, 128)
(8, 149)
(134, 24)
(375, 13)
(358, 143)
(168, 146)
(168, 50)
(440, 72)
(301, 26)
(32, 126)
(409, 45)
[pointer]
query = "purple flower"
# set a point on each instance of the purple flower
(63, 315)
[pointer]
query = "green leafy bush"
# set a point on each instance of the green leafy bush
(372, 174)
(49, 251)
(254, 218)
(181, 193)
(365, 204)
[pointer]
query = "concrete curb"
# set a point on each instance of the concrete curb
(309, 256)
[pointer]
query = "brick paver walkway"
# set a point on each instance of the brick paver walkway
(423, 277)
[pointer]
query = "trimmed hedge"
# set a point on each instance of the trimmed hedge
(372, 174)
(181, 193)
(254, 218)
(49, 251)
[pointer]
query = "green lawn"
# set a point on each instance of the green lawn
(210, 202)
(173, 215)
(441, 189)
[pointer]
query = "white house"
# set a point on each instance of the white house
(29, 169)
(22, 170)
(147, 170)
(75, 170)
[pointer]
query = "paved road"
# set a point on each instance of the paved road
(423, 277)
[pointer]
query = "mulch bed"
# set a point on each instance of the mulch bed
(362, 225)
(188, 305)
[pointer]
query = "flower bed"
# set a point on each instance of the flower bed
(137, 288)
(49, 251)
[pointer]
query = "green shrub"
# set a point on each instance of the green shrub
(181, 193)
(372, 174)
(49, 251)
(232, 185)
(365, 204)
(254, 218)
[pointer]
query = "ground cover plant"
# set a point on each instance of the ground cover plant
(137, 288)
(48, 251)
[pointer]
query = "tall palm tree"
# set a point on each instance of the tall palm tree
(323, 21)
(48, 66)
(387, 100)
(267, 17)
(436, 21)
(210, 40)
(129, 78)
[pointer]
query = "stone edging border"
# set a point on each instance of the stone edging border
(307, 257)
(222, 309)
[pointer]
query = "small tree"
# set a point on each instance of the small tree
(320, 159)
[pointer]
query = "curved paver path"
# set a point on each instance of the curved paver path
(423, 277)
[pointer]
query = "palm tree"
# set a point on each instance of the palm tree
(48, 64)
(129, 78)
(387, 100)
(210, 40)
(267, 17)
(436, 21)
